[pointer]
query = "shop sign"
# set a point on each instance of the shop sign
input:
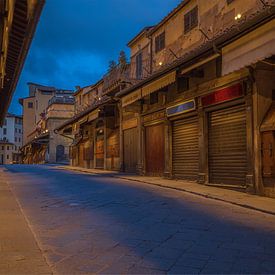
(181, 108)
(154, 116)
(130, 123)
(131, 98)
(222, 95)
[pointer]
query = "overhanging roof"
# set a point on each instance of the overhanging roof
(207, 49)
(21, 32)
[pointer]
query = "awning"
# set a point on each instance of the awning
(249, 49)
(159, 83)
(198, 64)
(83, 120)
(268, 123)
(93, 115)
(131, 98)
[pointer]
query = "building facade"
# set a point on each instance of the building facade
(43, 111)
(198, 104)
(11, 135)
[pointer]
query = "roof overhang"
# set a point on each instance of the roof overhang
(17, 42)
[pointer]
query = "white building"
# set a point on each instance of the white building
(11, 135)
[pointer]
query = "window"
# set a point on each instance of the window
(3, 148)
(183, 84)
(5, 122)
(160, 42)
(19, 139)
(191, 20)
(8, 156)
(15, 139)
(46, 92)
(19, 131)
(8, 147)
(4, 131)
(154, 97)
(15, 130)
(15, 148)
(139, 66)
(30, 105)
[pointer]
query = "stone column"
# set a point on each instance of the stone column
(203, 176)
(168, 149)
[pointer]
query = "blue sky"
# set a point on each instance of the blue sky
(76, 39)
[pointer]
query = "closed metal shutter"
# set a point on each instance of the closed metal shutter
(186, 148)
(227, 146)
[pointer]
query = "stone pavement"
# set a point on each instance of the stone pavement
(96, 224)
(19, 251)
(258, 203)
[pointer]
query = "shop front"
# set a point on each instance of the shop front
(154, 143)
(130, 145)
(227, 137)
(185, 141)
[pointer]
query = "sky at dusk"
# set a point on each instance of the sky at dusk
(76, 39)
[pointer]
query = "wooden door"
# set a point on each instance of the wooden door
(154, 150)
(268, 154)
(100, 151)
(81, 155)
(130, 140)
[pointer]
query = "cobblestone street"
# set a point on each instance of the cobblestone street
(97, 224)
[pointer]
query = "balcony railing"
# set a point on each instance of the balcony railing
(62, 100)
(115, 78)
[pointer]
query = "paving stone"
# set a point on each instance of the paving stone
(129, 227)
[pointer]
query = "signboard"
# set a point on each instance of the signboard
(222, 95)
(131, 98)
(130, 123)
(181, 108)
(154, 116)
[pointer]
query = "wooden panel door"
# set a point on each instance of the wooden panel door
(81, 155)
(130, 140)
(154, 149)
(268, 154)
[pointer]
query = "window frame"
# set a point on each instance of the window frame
(139, 65)
(160, 42)
(189, 25)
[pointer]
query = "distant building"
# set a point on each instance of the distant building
(11, 138)
(43, 111)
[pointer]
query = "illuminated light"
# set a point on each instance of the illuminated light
(160, 63)
(238, 16)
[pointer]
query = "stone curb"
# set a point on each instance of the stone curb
(213, 197)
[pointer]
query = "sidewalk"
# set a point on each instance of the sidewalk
(258, 203)
(19, 251)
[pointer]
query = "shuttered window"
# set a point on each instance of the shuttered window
(160, 42)
(139, 66)
(191, 20)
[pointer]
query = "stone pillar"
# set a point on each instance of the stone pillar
(249, 132)
(167, 149)
(203, 176)
(141, 147)
(121, 139)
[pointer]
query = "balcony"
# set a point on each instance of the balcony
(116, 79)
